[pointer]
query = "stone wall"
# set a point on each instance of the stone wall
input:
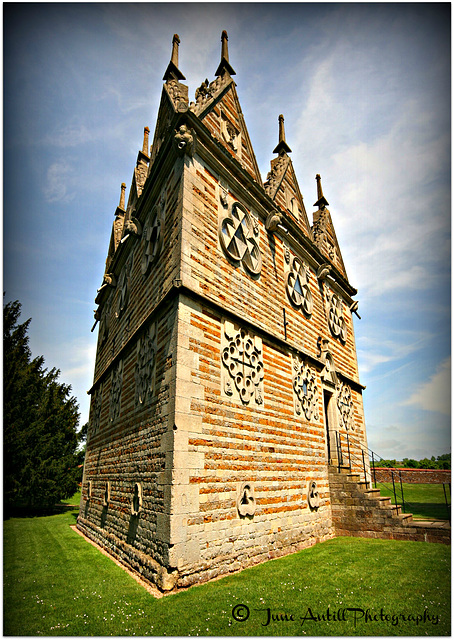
(416, 476)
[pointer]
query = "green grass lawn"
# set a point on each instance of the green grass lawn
(426, 501)
(55, 583)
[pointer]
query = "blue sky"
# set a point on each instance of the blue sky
(365, 91)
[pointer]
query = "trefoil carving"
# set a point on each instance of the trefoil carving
(145, 366)
(313, 497)
(115, 390)
(245, 503)
(242, 361)
(136, 501)
(236, 235)
(297, 286)
(305, 390)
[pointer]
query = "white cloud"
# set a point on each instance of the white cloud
(435, 394)
(59, 183)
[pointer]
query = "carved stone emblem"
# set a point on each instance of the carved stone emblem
(305, 390)
(123, 286)
(106, 495)
(313, 498)
(298, 286)
(345, 405)
(236, 234)
(243, 365)
(184, 140)
(105, 319)
(152, 237)
(115, 391)
(95, 418)
(245, 503)
(230, 134)
(145, 366)
(336, 319)
(136, 502)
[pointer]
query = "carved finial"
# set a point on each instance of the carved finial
(282, 146)
(122, 196)
(172, 71)
(321, 200)
(175, 45)
(146, 132)
(224, 65)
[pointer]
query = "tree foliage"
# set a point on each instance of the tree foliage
(40, 417)
(441, 462)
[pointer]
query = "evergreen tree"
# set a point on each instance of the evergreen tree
(40, 424)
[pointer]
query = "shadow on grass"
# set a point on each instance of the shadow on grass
(38, 512)
(428, 511)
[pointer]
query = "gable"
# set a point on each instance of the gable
(218, 107)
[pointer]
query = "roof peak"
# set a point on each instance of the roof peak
(172, 71)
(282, 147)
(224, 65)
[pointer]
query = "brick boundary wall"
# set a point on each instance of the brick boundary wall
(414, 476)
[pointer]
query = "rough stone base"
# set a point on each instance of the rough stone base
(360, 511)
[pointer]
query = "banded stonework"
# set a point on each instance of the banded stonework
(226, 362)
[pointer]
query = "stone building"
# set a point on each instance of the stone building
(226, 367)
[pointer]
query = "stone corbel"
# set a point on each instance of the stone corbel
(323, 271)
(184, 141)
(274, 222)
(133, 229)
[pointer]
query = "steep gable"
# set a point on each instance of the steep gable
(218, 107)
(323, 231)
(282, 186)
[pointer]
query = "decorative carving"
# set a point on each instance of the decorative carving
(136, 502)
(132, 228)
(178, 92)
(328, 374)
(345, 406)
(152, 237)
(223, 193)
(236, 234)
(106, 495)
(95, 418)
(184, 140)
(145, 366)
(123, 285)
(313, 497)
(297, 287)
(273, 220)
(230, 134)
(245, 503)
(323, 271)
(305, 389)
(206, 92)
(105, 319)
(336, 319)
(275, 176)
(115, 391)
(243, 363)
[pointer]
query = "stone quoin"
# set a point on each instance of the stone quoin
(226, 360)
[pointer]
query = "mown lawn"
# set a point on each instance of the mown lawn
(55, 583)
(425, 501)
